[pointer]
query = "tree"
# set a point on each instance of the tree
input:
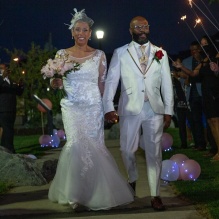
(28, 68)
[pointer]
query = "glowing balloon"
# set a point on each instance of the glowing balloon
(55, 139)
(45, 140)
(55, 131)
(61, 134)
(190, 170)
(170, 170)
(47, 102)
(179, 158)
(166, 141)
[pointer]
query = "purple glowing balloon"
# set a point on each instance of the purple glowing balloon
(190, 170)
(179, 158)
(166, 141)
(45, 140)
(61, 134)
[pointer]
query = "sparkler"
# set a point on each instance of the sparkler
(184, 19)
(198, 21)
(193, 3)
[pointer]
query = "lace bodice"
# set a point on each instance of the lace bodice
(88, 82)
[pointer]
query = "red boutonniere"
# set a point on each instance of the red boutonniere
(158, 55)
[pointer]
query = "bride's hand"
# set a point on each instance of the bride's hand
(57, 83)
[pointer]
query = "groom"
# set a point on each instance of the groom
(146, 103)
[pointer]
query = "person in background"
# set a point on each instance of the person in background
(8, 101)
(194, 97)
(205, 41)
(87, 174)
(181, 106)
(208, 72)
(146, 103)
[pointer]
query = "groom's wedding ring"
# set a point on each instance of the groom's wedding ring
(116, 121)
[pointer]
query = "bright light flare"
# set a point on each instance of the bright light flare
(16, 59)
(190, 3)
(197, 21)
(183, 17)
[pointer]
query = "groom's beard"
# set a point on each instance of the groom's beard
(140, 38)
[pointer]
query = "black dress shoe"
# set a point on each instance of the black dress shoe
(157, 204)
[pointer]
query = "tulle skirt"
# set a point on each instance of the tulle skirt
(87, 173)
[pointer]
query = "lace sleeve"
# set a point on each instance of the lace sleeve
(102, 73)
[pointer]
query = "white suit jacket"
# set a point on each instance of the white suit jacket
(157, 81)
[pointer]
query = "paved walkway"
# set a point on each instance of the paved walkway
(31, 201)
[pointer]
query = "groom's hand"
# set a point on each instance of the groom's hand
(111, 117)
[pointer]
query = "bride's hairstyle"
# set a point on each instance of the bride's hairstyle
(80, 16)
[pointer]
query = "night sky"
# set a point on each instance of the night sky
(26, 21)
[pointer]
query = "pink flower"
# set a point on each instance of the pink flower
(59, 66)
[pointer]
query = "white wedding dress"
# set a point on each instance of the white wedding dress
(87, 173)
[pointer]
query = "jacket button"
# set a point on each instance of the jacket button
(142, 90)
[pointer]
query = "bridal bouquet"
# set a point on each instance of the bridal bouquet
(58, 68)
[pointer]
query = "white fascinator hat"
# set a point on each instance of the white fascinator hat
(80, 16)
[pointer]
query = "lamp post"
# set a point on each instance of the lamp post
(100, 35)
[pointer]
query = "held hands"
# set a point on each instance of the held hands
(111, 117)
(57, 83)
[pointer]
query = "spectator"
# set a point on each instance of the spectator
(208, 70)
(8, 92)
(194, 97)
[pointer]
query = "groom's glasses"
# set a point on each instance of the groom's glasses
(143, 27)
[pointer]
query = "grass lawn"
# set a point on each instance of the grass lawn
(29, 145)
(204, 192)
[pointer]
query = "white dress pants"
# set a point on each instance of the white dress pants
(130, 130)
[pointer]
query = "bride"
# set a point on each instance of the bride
(86, 173)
